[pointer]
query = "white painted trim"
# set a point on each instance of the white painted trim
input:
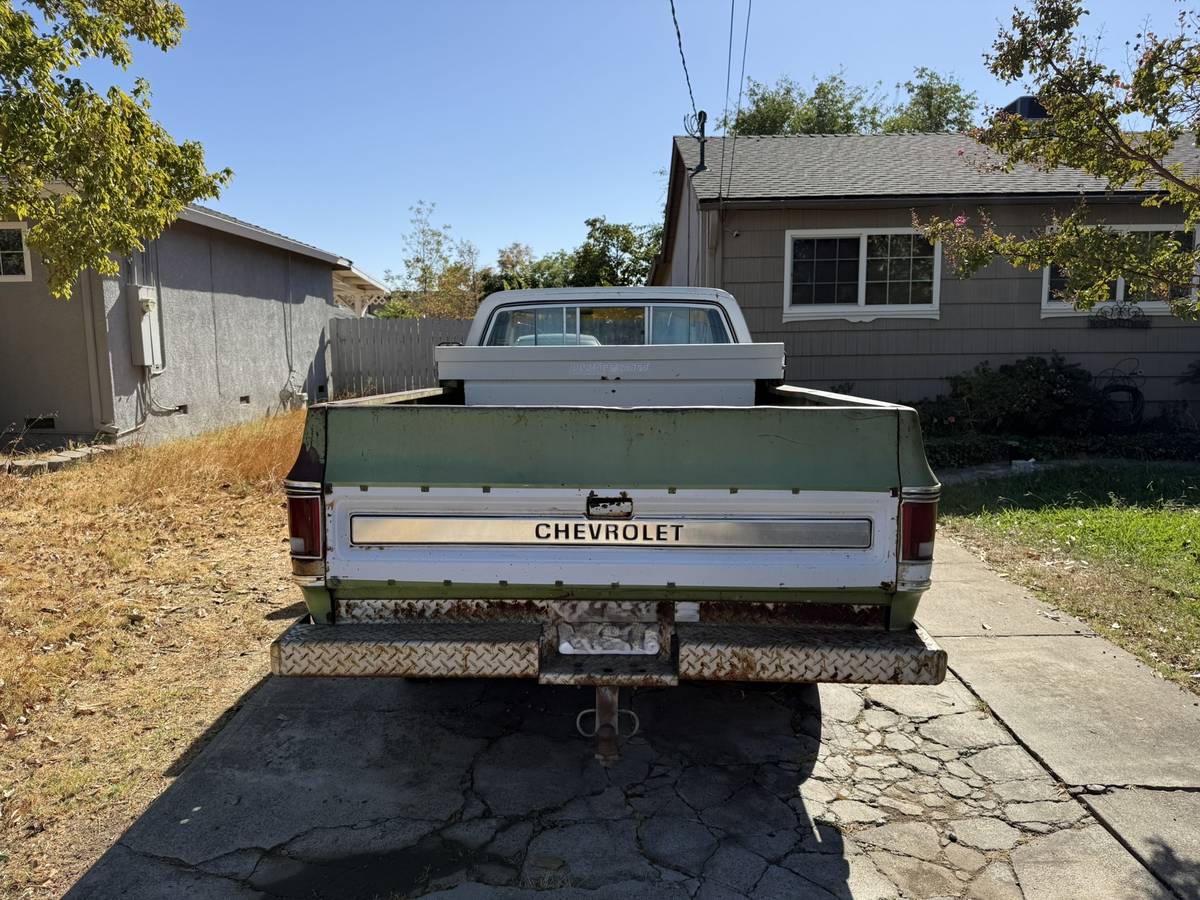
(860, 312)
(28, 276)
(1057, 309)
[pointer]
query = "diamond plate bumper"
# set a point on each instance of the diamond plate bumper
(415, 649)
(849, 655)
(704, 652)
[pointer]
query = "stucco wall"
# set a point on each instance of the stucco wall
(44, 359)
(237, 317)
(993, 316)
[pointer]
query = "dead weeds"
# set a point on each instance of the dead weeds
(138, 595)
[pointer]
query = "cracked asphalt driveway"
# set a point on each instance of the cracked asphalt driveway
(360, 788)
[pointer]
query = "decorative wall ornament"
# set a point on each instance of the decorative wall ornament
(1119, 315)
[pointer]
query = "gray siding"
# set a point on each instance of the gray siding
(237, 318)
(993, 316)
(46, 365)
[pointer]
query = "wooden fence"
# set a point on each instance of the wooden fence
(378, 356)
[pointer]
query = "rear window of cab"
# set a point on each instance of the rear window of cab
(595, 326)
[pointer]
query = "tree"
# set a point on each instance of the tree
(1088, 105)
(517, 268)
(833, 107)
(91, 172)
(935, 103)
(614, 254)
(441, 275)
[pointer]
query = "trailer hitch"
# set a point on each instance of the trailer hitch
(607, 729)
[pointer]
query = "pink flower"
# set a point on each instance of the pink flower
(960, 221)
(960, 151)
(951, 420)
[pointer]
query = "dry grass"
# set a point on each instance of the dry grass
(138, 594)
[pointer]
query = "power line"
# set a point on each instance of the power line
(725, 123)
(741, 83)
(682, 58)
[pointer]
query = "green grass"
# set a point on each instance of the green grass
(1117, 544)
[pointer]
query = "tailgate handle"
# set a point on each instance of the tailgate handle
(609, 507)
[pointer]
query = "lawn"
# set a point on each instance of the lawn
(1116, 544)
(138, 596)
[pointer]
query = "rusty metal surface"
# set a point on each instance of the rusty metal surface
(490, 648)
(605, 610)
(848, 655)
(622, 671)
(794, 614)
(383, 610)
(413, 648)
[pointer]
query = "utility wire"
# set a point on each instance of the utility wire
(725, 123)
(741, 83)
(682, 58)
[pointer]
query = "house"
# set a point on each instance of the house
(216, 321)
(813, 235)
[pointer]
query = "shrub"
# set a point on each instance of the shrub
(1033, 396)
(973, 449)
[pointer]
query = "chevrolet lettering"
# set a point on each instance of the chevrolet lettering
(608, 532)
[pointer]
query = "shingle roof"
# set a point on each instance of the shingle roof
(874, 165)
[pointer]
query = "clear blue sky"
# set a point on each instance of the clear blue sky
(518, 119)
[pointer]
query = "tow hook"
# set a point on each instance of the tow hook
(607, 713)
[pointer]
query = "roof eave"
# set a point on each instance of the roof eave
(924, 199)
(249, 232)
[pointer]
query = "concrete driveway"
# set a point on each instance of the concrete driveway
(389, 788)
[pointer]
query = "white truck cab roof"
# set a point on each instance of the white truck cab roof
(609, 296)
(615, 347)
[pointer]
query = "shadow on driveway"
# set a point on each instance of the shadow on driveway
(364, 788)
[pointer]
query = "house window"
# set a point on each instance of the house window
(1054, 281)
(14, 255)
(860, 275)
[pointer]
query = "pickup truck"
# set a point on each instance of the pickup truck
(612, 487)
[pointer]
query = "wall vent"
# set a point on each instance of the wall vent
(245, 398)
(43, 423)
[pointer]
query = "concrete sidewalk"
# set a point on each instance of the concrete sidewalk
(1122, 739)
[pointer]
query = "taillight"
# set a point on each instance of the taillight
(305, 533)
(918, 523)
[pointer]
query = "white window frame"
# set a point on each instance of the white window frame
(23, 228)
(1060, 309)
(861, 312)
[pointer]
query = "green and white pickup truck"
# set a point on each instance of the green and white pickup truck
(612, 487)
